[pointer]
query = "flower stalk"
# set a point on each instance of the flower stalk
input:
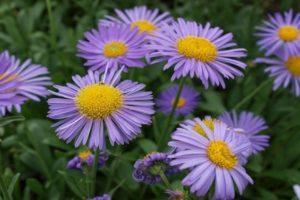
(167, 126)
(94, 172)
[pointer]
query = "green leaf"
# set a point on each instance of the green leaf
(266, 194)
(35, 186)
(8, 120)
(147, 145)
(39, 130)
(124, 172)
(255, 163)
(74, 181)
(9, 141)
(13, 183)
(111, 192)
(213, 102)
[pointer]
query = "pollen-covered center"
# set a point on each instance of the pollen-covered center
(98, 101)
(114, 49)
(181, 102)
(208, 122)
(220, 154)
(84, 155)
(288, 33)
(144, 26)
(198, 48)
(293, 65)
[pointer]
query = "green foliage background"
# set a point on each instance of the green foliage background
(33, 160)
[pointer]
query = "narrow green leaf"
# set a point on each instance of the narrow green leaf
(7, 120)
(13, 183)
(72, 182)
(35, 186)
(147, 145)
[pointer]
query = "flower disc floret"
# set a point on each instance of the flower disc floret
(98, 101)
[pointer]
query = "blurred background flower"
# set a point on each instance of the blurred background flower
(20, 82)
(280, 32)
(188, 100)
(86, 158)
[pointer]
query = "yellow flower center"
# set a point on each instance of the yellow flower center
(98, 101)
(293, 65)
(198, 48)
(114, 49)
(144, 26)
(288, 33)
(181, 102)
(84, 154)
(208, 122)
(220, 154)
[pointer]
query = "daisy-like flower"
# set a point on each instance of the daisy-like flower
(148, 169)
(86, 157)
(285, 69)
(20, 82)
(103, 197)
(280, 32)
(146, 20)
(196, 50)
(209, 123)
(8, 92)
(92, 105)
(214, 158)
(249, 125)
(188, 100)
(112, 46)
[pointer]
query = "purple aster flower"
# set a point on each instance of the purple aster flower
(213, 158)
(8, 84)
(250, 125)
(209, 123)
(197, 50)
(285, 69)
(86, 157)
(20, 82)
(144, 19)
(280, 32)
(148, 169)
(103, 197)
(91, 105)
(176, 195)
(189, 99)
(112, 46)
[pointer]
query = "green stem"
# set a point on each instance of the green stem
(94, 173)
(252, 94)
(171, 115)
(3, 188)
(51, 24)
(164, 179)
(86, 172)
(155, 129)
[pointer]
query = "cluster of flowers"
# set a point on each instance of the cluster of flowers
(280, 37)
(214, 150)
